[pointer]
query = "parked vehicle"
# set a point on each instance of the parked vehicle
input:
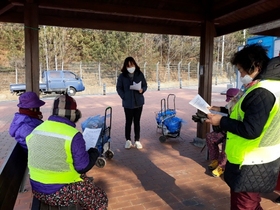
(58, 82)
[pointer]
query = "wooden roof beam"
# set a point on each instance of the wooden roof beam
(114, 9)
(118, 26)
(104, 25)
(271, 29)
(257, 20)
(225, 8)
(5, 8)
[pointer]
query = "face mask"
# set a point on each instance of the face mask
(131, 70)
(246, 79)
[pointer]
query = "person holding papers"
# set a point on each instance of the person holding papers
(253, 127)
(58, 160)
(218, 136)
(131, 86)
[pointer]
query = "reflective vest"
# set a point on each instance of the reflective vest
(264, 148)
(49, 153)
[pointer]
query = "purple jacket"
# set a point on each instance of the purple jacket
(21, 126)
(83, 160)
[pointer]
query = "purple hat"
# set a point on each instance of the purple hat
(231, 92)
(30, 100)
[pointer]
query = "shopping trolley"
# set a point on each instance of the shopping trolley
(166, 119)
(101, 134)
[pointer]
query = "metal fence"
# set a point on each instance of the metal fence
(97, 76)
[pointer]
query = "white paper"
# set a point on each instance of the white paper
(91, 137)
(199, 103)
(220, 113)
(136, 86)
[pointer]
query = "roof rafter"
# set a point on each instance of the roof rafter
(114, 9)
(5, 8)
(226, 8)
(250, 22)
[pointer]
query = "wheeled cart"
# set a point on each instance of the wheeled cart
(98, 129)
(167, 121)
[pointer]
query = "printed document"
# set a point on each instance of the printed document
(199, 103)
(136, 86)
(91, 137)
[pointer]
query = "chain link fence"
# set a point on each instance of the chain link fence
(98, 76)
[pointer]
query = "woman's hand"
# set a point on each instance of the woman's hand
(214, 119)
(215, 108)
(141, 90)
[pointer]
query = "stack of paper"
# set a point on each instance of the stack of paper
(136, 86)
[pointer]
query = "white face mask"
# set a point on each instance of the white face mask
(131, 69)
(246, 79)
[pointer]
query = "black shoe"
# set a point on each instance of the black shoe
(277, 200)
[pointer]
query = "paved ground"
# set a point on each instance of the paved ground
(161, 176)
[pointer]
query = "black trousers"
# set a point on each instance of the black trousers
(132, 115)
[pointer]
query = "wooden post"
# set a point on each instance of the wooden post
(31, 32)
(205, 70)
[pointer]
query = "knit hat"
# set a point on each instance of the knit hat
(66, 106)
(231, 92)
(29, 100)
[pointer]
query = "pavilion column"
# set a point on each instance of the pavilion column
(205, 73)
(31, 33)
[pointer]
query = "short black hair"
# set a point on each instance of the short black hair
(250, 56)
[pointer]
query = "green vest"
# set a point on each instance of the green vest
(49, 153)
(266, 147)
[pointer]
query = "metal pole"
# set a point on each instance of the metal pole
(223, 53)
(168, 71)
(180, 83)
(189, 71)
(16, 74)
(158, 86)
(197, 73)
(104, 89)
(81, 70)
(179, 70)
(145, 69)
(157, 79)
(99, 73)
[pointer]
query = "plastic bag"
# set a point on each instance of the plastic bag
(93, 122)
(173, 124)
(160, 116)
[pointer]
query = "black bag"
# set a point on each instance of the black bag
(273, 67)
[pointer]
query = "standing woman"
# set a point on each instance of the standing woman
(132, 98)
(253, 129)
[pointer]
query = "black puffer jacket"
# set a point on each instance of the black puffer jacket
(256, 106)
(131, 98)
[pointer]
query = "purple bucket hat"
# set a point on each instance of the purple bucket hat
(30, 100)
(231, 92)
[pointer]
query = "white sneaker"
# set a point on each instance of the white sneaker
(138, 145)
(128, 144)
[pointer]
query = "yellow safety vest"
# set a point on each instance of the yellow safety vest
(266, 147)
(49, 153)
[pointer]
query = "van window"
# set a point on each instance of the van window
(54, 74)
(69, 75)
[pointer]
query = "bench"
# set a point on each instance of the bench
(11, 176)
(37, 205)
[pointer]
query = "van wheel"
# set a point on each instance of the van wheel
(71, 91)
